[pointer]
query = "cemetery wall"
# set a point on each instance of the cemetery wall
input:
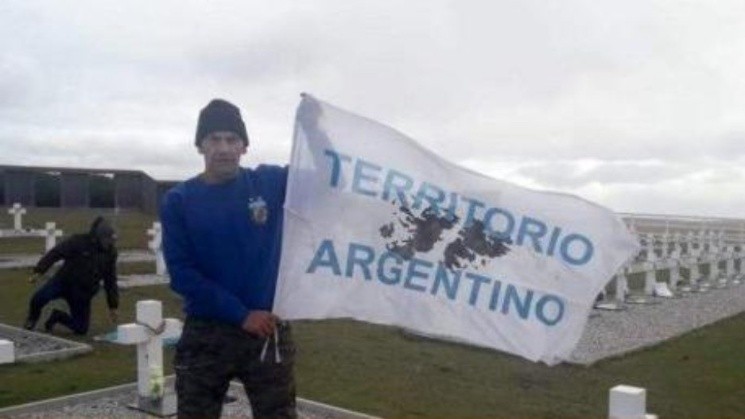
(58, 187)
(732, 229)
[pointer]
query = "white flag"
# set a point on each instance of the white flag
(379, 229)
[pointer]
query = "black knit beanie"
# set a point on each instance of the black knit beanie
(220, 115)
(101, 228)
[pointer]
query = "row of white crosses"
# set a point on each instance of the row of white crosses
(702, 248)
(49, 232)
(711, 250)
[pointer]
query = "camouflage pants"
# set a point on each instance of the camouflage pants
(210, 354)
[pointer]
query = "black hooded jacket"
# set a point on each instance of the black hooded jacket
(86, 263)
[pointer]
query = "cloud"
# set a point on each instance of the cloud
(695, 188)
(612, 100)
(680, 197)
(572, 174)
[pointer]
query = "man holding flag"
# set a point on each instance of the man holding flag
(222, 235)
(375, 228)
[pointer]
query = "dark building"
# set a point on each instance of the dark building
(59, 187)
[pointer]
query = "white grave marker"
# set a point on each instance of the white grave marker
(7, 352)
(704, 249)
(650, 274)
(148, 333)
(649, 267)
(156, 245)
(693, 253)
(622, 285)
(712, 256)
(17, 212)
(627, 402)
(50, 235)
(619, 284)
(721, 277)
(675, 257)
(731, 266)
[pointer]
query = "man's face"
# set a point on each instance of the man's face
(222, 151)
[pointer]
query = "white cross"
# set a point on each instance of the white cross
(693, 251)
(50, 235)
(666, 246)
(714, 251)
(649, 246)
(622, 285)
(650, 274)
(713, 242)
(148, 333)
(730, 260)
(675, 257)
(692, 248)
(722, 245)
(17, 212)
(674, 276)
(677, 246)
(156, 245)
(704, 243)
(638, 257)
(650, 279)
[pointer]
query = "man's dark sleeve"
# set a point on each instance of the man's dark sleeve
(109, 283)
(63, 250)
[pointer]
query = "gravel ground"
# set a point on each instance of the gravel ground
(30, 343)
(612, 333)
(39, 346)
(116, 407)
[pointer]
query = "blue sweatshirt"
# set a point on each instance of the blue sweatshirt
(222, 242)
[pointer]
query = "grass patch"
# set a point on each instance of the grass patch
(108, 365)
(384, 371)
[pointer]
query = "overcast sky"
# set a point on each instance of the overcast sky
(638, 105)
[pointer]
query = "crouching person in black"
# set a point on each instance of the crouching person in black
(88, 259)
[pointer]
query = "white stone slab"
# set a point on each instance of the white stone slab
(32, 346)
(7, 352)
(627, 402)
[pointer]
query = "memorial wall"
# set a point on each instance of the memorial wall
(57, 187)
